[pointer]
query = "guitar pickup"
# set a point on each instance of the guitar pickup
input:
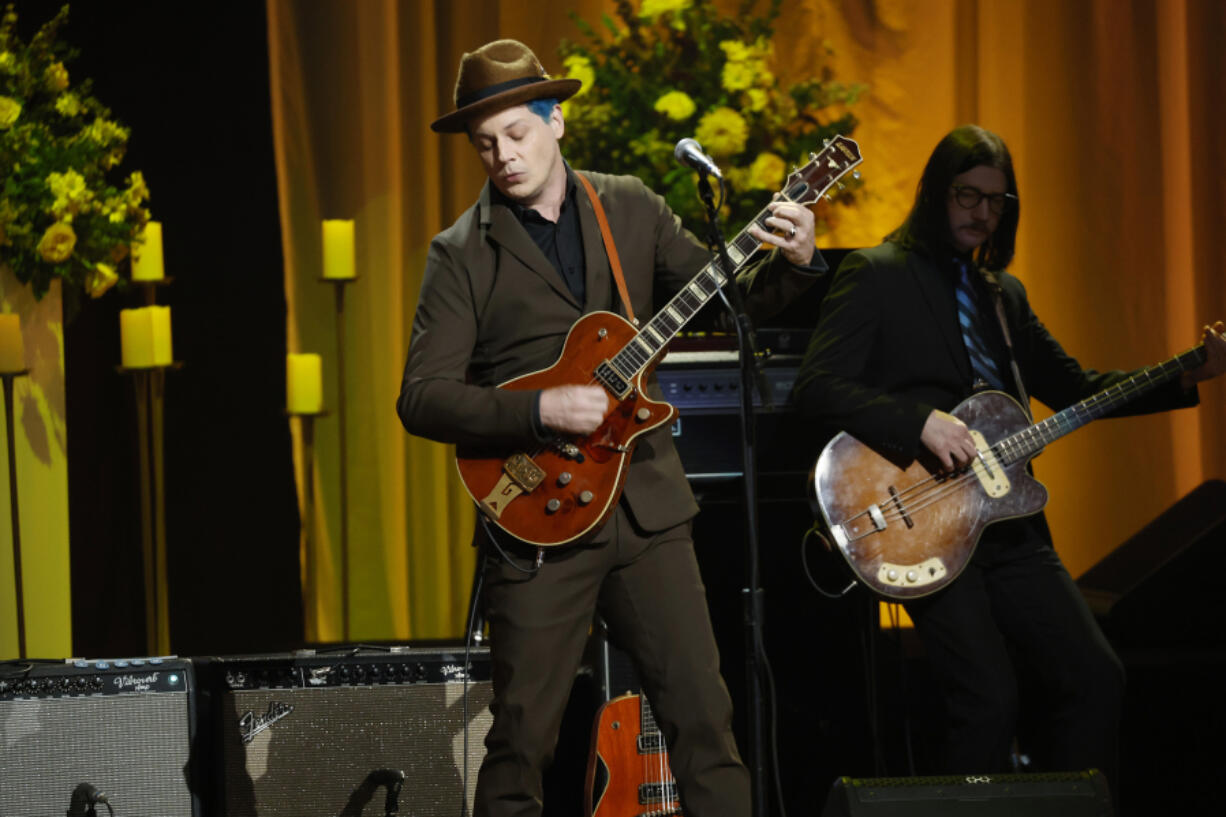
(525, 473)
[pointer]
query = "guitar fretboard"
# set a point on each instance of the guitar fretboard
(806, 186)
(1029, 441)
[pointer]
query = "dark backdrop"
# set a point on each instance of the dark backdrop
(191, 81)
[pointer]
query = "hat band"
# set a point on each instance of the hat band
(492, 90)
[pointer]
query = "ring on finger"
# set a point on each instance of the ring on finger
(793, 233)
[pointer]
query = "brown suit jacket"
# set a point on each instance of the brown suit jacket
(492, 307)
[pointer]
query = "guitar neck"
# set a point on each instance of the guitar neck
(636, 355)
(1029, 441)
(804, 186)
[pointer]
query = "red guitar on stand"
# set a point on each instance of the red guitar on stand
(567, 488)
(628, 773)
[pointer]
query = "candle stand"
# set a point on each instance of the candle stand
(14, 513)
(339, 288)
(149, 384)
(310, 616)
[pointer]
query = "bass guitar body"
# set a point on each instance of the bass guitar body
(628, 773)
(908, 530)
(565, 489)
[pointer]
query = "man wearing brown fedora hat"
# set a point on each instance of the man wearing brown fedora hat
(502, 287)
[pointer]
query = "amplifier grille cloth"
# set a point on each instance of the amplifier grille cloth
(132, 747)
(313, 758)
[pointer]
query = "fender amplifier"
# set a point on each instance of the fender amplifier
(74, 733)
(362, 731)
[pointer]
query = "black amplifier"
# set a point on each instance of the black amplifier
(705, 386)
(338, 732)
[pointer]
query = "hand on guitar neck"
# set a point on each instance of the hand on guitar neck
(1215, 350)
(574, 409)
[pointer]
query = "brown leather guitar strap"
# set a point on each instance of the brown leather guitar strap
(609, 247)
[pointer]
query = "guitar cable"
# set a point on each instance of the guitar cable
(815, 530)
(506, 557)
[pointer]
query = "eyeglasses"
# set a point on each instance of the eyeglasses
(968, 198)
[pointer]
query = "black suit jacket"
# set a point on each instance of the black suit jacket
(887, 351)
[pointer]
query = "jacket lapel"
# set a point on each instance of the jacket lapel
(939, 295)
(506, 231)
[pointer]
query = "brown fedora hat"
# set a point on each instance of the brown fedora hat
(498, 75)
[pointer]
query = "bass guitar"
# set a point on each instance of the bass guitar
(628, 773)
(907, 531)
(566, 489)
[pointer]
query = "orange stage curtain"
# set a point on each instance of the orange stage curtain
(1112, 113)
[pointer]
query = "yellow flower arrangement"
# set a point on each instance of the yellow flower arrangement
(661, 70)
(60, 214)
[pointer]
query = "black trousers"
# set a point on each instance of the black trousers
(1016, 652)
(648, 589)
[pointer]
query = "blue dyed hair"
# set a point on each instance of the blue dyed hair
(542, 108)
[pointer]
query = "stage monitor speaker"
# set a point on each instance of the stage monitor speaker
(356, 732)
(1072, 794)
(120, 728)
(1161, 588)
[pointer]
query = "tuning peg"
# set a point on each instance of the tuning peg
(812, 156)
(855, 174)
(840, 185)
(826, 143)
(828, 197)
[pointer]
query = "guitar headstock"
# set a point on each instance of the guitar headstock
(807, 184)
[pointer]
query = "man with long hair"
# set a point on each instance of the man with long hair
(908, 330)
(502, 287)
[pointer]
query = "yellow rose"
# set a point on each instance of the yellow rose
(767, 172)
(722, 132)
(57, 243)
(68, 104)
(10, 109)
(580, 68)
(101, 278)
(676, 105)
(654, 8)
(56, 76)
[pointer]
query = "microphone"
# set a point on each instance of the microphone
(690, 154)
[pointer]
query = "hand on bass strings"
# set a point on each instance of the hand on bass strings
(949, 439)
(1215, 364)
(574, 409)
(794, 222)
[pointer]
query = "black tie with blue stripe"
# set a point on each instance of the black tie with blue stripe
(982, 363)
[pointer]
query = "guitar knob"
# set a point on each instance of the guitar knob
(552, 506)
(643, 414)
(564, 479)
(586, 497)
(912, 576)
(602, 334)
(892, 575)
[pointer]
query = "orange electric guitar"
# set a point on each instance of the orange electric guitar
(565, 489)
(908, 529)
(627, 771)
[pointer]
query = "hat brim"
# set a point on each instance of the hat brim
(558, 89)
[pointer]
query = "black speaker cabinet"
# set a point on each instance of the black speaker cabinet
(1161, 588)
(349, 733)
(1073, 794)
(123, 728)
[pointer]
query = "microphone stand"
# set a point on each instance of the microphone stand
(751, 594)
